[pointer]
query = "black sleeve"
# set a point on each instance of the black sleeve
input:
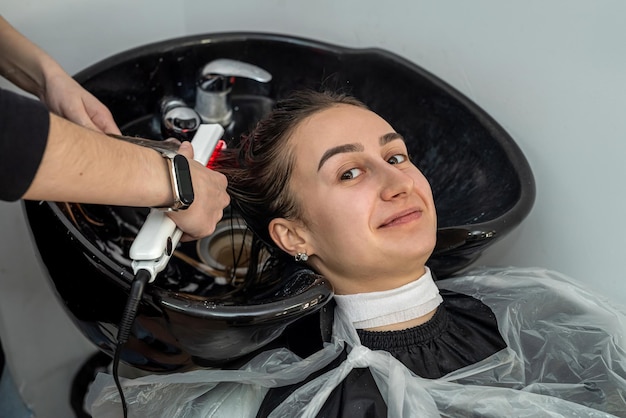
(24, 127)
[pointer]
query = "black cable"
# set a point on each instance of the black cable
(116, 378)
(130, 312)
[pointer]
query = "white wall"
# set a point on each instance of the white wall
(552, 73)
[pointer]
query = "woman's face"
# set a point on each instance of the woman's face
(369, 220)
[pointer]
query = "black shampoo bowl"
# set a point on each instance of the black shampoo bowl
(189, 317)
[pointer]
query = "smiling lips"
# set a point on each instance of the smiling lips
(402, 218)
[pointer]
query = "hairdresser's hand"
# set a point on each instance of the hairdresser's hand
(210, 199)
(33, 70)
(65, 97)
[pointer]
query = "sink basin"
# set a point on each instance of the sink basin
(194, 316)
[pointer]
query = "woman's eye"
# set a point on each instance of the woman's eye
(351, 174)
(397, 159)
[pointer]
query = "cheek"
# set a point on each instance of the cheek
(337, 218)
(423, 186)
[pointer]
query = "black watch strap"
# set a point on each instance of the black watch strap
(180, 175)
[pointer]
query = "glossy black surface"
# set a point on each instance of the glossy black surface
(483, 188)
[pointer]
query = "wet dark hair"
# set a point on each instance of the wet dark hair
(259, 168)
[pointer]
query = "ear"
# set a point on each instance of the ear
(288, 235)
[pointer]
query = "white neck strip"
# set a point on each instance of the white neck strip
(376, 309)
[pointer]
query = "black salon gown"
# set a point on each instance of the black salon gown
(462, 332)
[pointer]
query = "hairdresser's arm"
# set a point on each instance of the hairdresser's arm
(33, 70)
(81, 165)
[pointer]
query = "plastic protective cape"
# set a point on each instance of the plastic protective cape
(565, 357)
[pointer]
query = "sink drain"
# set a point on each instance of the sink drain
(227, 250)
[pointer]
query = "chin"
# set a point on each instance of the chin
(410, 256)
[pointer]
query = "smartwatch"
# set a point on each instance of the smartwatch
(180, 175)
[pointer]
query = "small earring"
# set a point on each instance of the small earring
(301, 257)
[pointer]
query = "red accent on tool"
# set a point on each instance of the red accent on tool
(221, 144)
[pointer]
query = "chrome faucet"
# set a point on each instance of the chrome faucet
(215, 84)
(178, 120)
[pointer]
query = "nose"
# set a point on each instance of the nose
(395, 183)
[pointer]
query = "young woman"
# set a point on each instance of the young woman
(327, 183)
(338, 192)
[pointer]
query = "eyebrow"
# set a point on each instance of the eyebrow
(385, 139)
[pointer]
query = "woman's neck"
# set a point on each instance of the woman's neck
(372, 282)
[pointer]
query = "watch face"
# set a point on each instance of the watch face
(183, 180)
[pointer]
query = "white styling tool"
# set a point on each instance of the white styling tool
(158, 237)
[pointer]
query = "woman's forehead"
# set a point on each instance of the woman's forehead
(337, 125)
